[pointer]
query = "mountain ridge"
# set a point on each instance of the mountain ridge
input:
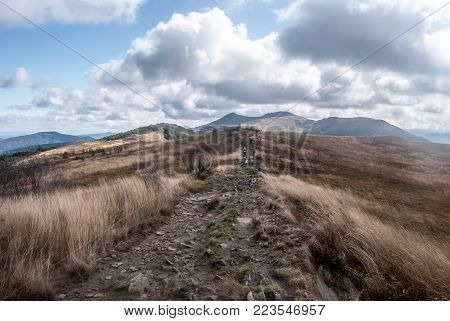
(170, 131)
(35, 141)
(331, 126)
(275, 121)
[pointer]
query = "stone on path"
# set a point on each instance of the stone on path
(139, 284)
(116, 265)
(244, 221)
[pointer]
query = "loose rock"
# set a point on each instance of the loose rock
(139, 284)
(116, 265)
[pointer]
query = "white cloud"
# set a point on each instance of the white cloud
(21, 78)
(212, 58)
(69, 11)
(232, 4)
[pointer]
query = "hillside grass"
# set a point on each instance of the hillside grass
(385, 260)
(47, 234)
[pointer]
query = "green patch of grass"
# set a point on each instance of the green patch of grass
(277, 258)
(291, 276)
(222, 229)
(245, 271)
(247, 254)
(279, 246)
(259, 293)
(272, 291)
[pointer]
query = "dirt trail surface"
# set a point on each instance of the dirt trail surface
(227, 243)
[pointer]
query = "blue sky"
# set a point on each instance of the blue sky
(259, 56)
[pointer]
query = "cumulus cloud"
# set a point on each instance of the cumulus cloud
(69, 11)
(345, 31)
(211, 57)
(21, 78)
(99, 108)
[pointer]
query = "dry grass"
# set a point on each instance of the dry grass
(87, 163)
(225, 168)
(385, 261)
(41, 235)
(52, 232)
(411, 179)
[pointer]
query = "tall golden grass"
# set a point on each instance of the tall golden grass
(385, 260)
(41, 235)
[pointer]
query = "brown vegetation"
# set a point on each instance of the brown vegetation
(87, 163)
(375, 211)
(411, 179)
(384, 259)
(63, 231)
(60, 208)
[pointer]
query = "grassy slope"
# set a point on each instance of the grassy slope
(377, 210)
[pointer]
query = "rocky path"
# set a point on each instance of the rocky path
(227, 243)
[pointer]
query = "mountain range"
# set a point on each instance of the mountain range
(333, 126)
(278, 121)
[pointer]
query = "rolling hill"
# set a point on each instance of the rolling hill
(281, 123)
(38, 140)
(364, 127)
(170, 131)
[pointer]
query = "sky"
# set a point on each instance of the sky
(190, 62)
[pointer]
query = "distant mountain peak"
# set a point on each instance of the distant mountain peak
(234, 119)
(231, 115)
(278, 114)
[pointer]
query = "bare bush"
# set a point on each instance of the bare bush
(199, 165)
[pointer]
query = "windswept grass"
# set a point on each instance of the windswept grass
(46, 234)
(385, 260)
